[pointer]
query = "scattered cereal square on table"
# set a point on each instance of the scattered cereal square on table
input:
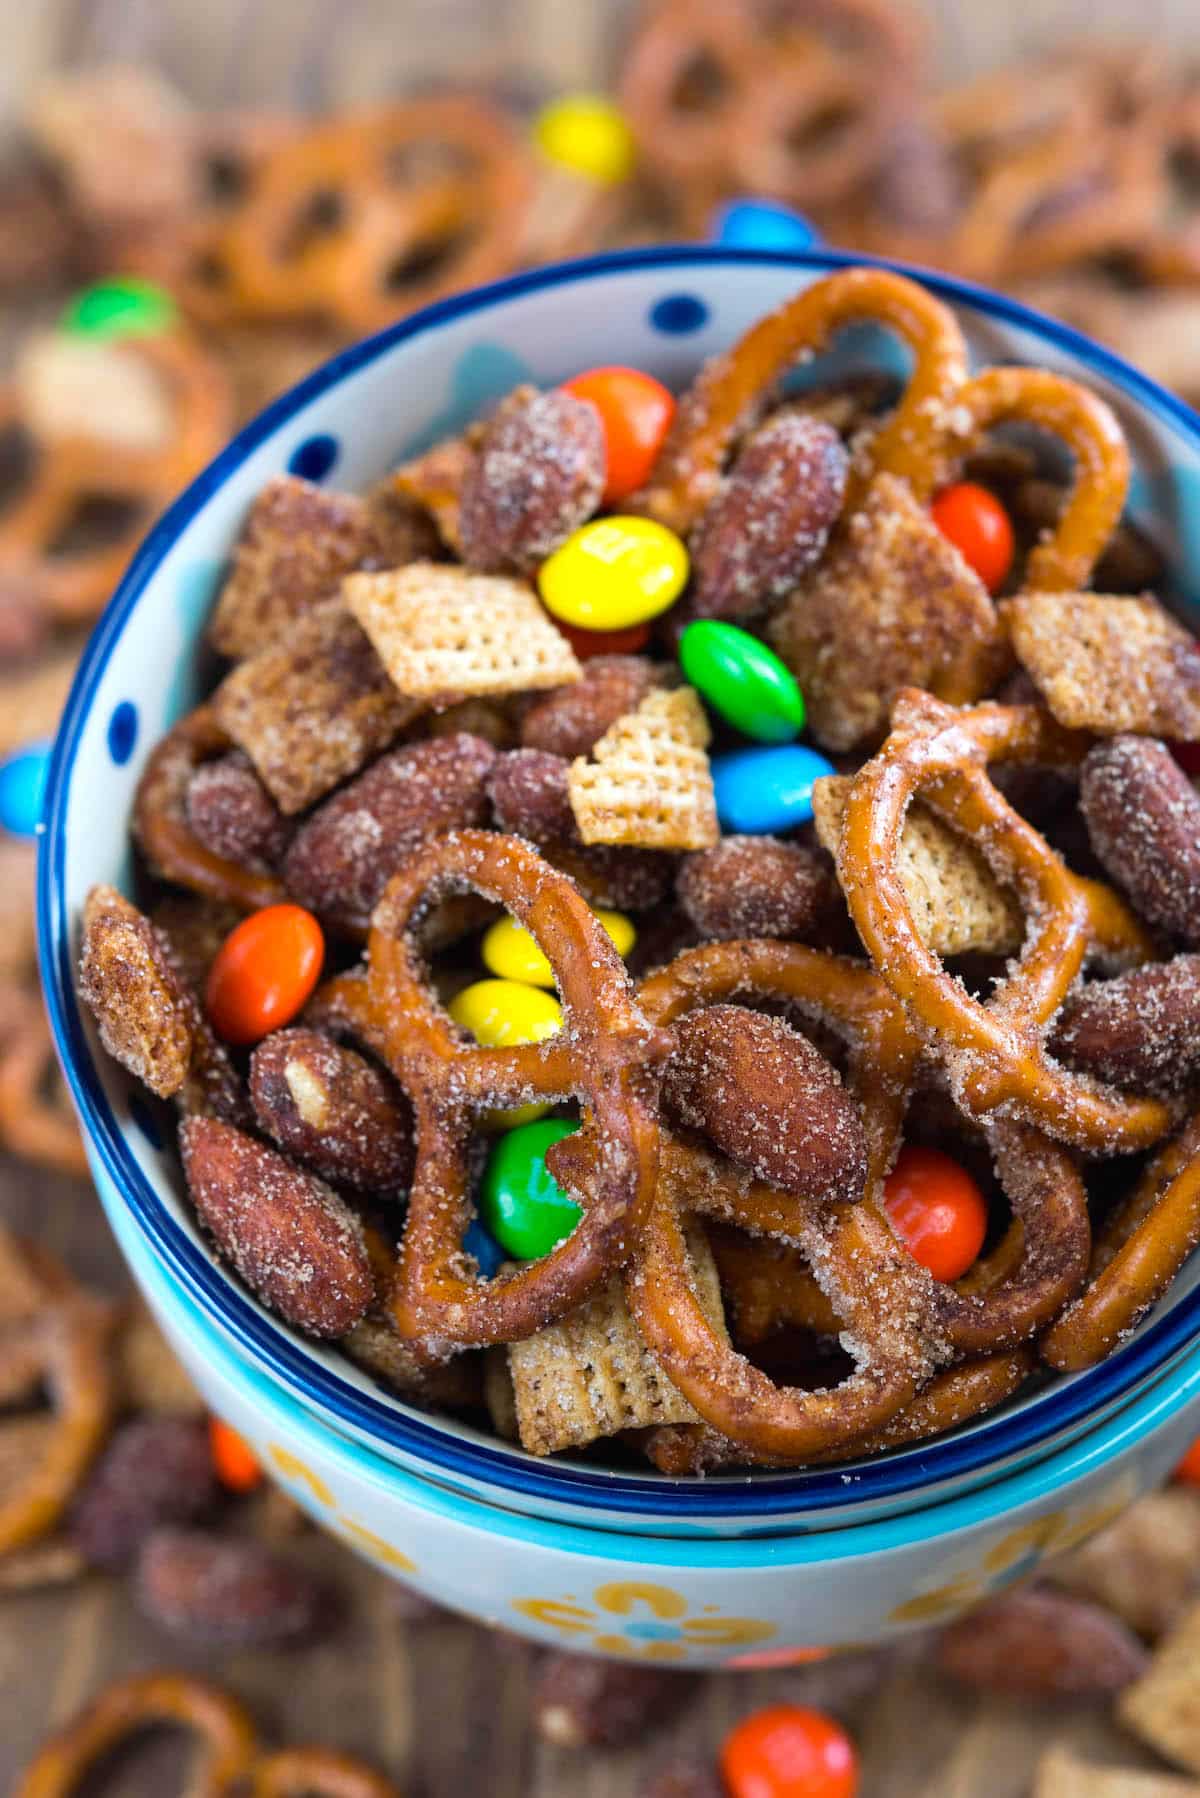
(441, 630)
(1061, 1775)
(892, 605)
(310, 710)
(1109, 663)
(957, 904)
(1162, 1706)
(297, 543)
(648, 783)
(590, 1374)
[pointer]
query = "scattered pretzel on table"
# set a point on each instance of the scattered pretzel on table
(53, 1335)
(231, 1758)
(60, 403)
(359, 219)
(796, 102)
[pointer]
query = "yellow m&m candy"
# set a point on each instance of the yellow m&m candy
(612, 573)
(499, 1014)
(586, 134)
(513, 953)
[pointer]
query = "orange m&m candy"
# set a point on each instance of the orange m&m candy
(235, 1462)
(1188, 1469)
(979, 528)
(937, 1211)
(636, 412)
(264, 972)
(788, 1751)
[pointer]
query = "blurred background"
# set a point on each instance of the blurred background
(199, 202)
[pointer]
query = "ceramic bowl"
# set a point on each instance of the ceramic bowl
(663, 310)
(699, 1602)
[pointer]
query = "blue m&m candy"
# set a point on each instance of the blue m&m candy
(761, 225)
(479, 1241)
(23, 789)
(760, 792)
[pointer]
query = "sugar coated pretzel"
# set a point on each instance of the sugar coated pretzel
(953, 1397)
(731, 388)
(74, 585)
(993, 1052)
(1139, 1251)
(873, 1283)
(368, 216)
(606, 1053)
(852, 1251)
(1064, 558)
(161, 825)
(220, 1723)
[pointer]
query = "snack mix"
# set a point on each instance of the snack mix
(592, 1048)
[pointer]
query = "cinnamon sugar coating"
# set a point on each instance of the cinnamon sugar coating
(233, 815)
(537, 476)
(757, 886)
(771, 522)
(341, 857)
(1143, 820)
(769, 1100)
(1141, 1030)
(297, 543)
(571, 720)
(334, 1112)
(892, 605)
(292, 1239)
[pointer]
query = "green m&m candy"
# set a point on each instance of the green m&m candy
(520, 1201)
(123, 307)
(743, 680)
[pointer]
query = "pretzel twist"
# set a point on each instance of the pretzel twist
(730, 389)
(74, 585)
(366, 217)
(161, 825)
(993, 1052)
(223, 1727)
(606, 1054)
(1138, 1253)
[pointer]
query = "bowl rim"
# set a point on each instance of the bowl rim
(1116, 1437)
(425, 1438)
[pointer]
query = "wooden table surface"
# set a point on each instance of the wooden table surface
(443, 1709)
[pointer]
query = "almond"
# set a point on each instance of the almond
(1143, 819)
(770, 523)
(1040, 1644)
(292, 1239)
(1140, 1030)
(331, 1110)
(769, 1100)
(342, 857)
(538, 475)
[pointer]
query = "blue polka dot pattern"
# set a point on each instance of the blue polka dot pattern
(313, 459)
(145, 1120)
(678, 314)
(122, 732)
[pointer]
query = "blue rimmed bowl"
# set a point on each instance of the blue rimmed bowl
(663, 310)
(696, 1602)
